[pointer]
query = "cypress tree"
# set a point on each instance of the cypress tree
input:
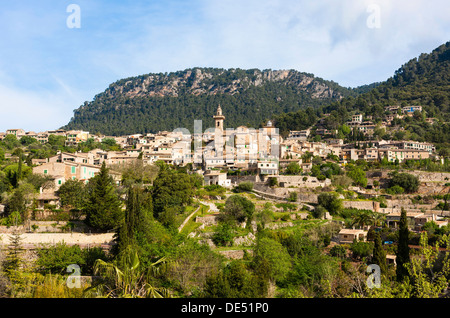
(379, 254)
(20, 168)
(125, 234)
(103, 208)
(402, 248)
(134, 230)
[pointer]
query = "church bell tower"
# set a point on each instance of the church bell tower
(219, 118)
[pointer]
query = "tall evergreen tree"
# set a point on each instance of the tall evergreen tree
(20, 167)
(13, 260)
(379, 254)
(402, 248)
(172, 190)
(103, 208)
(134, 231)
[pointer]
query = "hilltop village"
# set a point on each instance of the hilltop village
(351, 187)
(262, 151)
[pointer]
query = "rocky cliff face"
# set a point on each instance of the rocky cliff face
(200, 81)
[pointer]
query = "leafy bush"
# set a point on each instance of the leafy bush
(223, 235)
(293, 168)
(286, 206)
(55, 259)
(338, 251)
(330, 201)
(319, 212)
(408, 182)
(273, 182)
(357, 174)
(361, 249)
(275, 255)
(245, 186)
(237, 209)
(396, 189)
(293, 197)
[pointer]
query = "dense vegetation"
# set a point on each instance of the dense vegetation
(156, 102)
(153, 258)
(423, 81)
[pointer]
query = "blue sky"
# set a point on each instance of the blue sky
(48, 69)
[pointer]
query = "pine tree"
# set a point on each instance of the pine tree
(379, 254)
(103, 208)
(402, 248)
(13, 259)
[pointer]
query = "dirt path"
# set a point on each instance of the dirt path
(180, 228)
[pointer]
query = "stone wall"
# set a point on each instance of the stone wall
(233, 254)
(362, 205)
(284, 181)
(239, 179)
(283, 193)
(431, 188)
(278, 225)
(307, 197)
(30, 240)
(297, 181)
(425, 176)
(45, 227)
(398, 203)
(249, 239)
(207, 220)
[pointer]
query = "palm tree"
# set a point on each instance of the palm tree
(127, 278)
(363, 218)
(378, 218)
(306, 157)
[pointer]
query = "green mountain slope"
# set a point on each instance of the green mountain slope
(165, 101)
(422, 81)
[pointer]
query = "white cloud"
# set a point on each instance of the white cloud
(33, 111)
(328, 38)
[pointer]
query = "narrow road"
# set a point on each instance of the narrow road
(187, 219)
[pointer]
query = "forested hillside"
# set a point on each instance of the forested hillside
(422, 81)
(165, 101)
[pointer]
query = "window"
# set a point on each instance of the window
(45, 171)
(59, 182)
(74, 169)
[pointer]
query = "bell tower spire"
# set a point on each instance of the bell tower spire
(219, 118)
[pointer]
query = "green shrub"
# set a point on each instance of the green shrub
(408, 182)
(223, 235)
(396, 189)
(245, 186)
(338, 251)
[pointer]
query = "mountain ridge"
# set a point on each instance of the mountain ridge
(248, 97)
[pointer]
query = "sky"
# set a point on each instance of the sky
(56, 54)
